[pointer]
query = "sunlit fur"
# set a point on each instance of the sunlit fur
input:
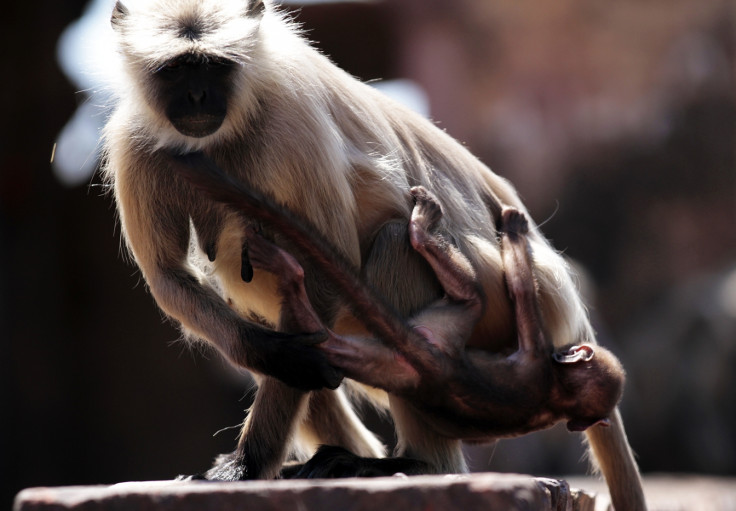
(331, 149)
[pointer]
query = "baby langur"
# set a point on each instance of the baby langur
(471, 393)
(531, 389)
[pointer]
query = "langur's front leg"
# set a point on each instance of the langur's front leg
(267, 434)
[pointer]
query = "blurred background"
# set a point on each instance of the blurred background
(615, 120)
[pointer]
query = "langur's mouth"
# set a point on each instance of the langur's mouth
(198, 126)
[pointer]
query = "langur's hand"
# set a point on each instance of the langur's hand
(293, 358)
(296, 360)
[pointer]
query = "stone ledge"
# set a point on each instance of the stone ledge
(472, 492)
(422, 493)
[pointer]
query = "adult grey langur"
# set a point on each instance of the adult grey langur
(235, 80)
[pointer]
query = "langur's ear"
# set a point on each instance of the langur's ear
(256, 8)
(574, 354)
(118, 15)
(582, 425)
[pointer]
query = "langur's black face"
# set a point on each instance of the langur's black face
(193, 92)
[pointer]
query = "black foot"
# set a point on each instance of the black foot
(514, 222)
(335, 462)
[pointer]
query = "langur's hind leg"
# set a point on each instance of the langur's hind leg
(453, 270)
(331, 420)
(521, 283)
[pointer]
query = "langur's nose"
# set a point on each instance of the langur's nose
(197, 97)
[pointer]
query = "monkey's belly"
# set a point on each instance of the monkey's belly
(257, 298)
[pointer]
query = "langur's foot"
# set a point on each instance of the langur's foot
(426, 215)
(514, 222)
(427, 209)
(330, 462)
(298, 361)
(228, 467)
